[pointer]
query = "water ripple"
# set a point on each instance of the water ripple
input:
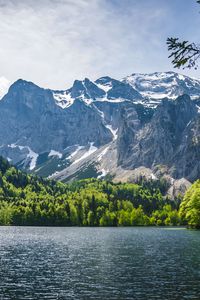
(99, 263)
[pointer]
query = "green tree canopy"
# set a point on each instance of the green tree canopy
(190, 207)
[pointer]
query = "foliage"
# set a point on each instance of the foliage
(190, 207)
(183, 53)
(30, 200)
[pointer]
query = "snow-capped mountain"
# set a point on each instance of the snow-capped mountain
(161, 85)
(147, 89)
(103, 89)
(106, 127)
(4, 86)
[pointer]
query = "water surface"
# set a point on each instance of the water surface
(99, 263)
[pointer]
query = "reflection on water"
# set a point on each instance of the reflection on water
(99, 263)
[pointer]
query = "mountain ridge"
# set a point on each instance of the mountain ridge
(106, 126)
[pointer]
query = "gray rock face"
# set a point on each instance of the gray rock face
(122, 90)
(30, 117)
(170, 139)
(86, 88)
(104, 127)
(188, 153)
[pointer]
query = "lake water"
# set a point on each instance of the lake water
(99, 263)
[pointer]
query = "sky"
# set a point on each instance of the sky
(54, 42)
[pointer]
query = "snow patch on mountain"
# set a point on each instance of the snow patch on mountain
(108, 126)
(113, 131)
(31, 154)
(114, 100)
(63, 99)
(53, 174)
(103, 173)
(198, 107)
(160, 85)
(91, 150)
(86, 100)
(55, 153)
(101, 155)
(74, 152)
(105, 87)
(101, 113)
(16, 146)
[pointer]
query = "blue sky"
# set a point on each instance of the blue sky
(53, 42)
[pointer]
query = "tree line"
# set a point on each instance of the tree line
(29, 200)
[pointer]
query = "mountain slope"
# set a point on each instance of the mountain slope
(166, 146)
(32, 123)
(30, 200)
(123, 129)
(166, 140)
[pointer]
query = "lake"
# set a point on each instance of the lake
(99, 263)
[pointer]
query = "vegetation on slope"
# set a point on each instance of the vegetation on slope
(190, 207)
(30, 200)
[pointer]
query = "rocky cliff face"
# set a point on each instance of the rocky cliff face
(122, 128)
(165, 140)
(31, 122)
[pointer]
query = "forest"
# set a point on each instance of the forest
(30, 200)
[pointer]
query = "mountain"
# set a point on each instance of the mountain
(40, 125)
(119, 128)
(160, 85)
(171, 138)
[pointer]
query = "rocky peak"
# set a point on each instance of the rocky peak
(117, 89)
(92, 89)
(104, 80)
(24, 95)
(78, 89)
(23, 85)
(87, 89)
(123, 90)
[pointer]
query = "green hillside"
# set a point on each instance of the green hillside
(30, 200)
(190, 207)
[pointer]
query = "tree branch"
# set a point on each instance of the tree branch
(183, 53)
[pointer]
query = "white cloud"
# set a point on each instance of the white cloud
(4, 86)
(54, 42)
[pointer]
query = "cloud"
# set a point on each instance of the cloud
(53, 42)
